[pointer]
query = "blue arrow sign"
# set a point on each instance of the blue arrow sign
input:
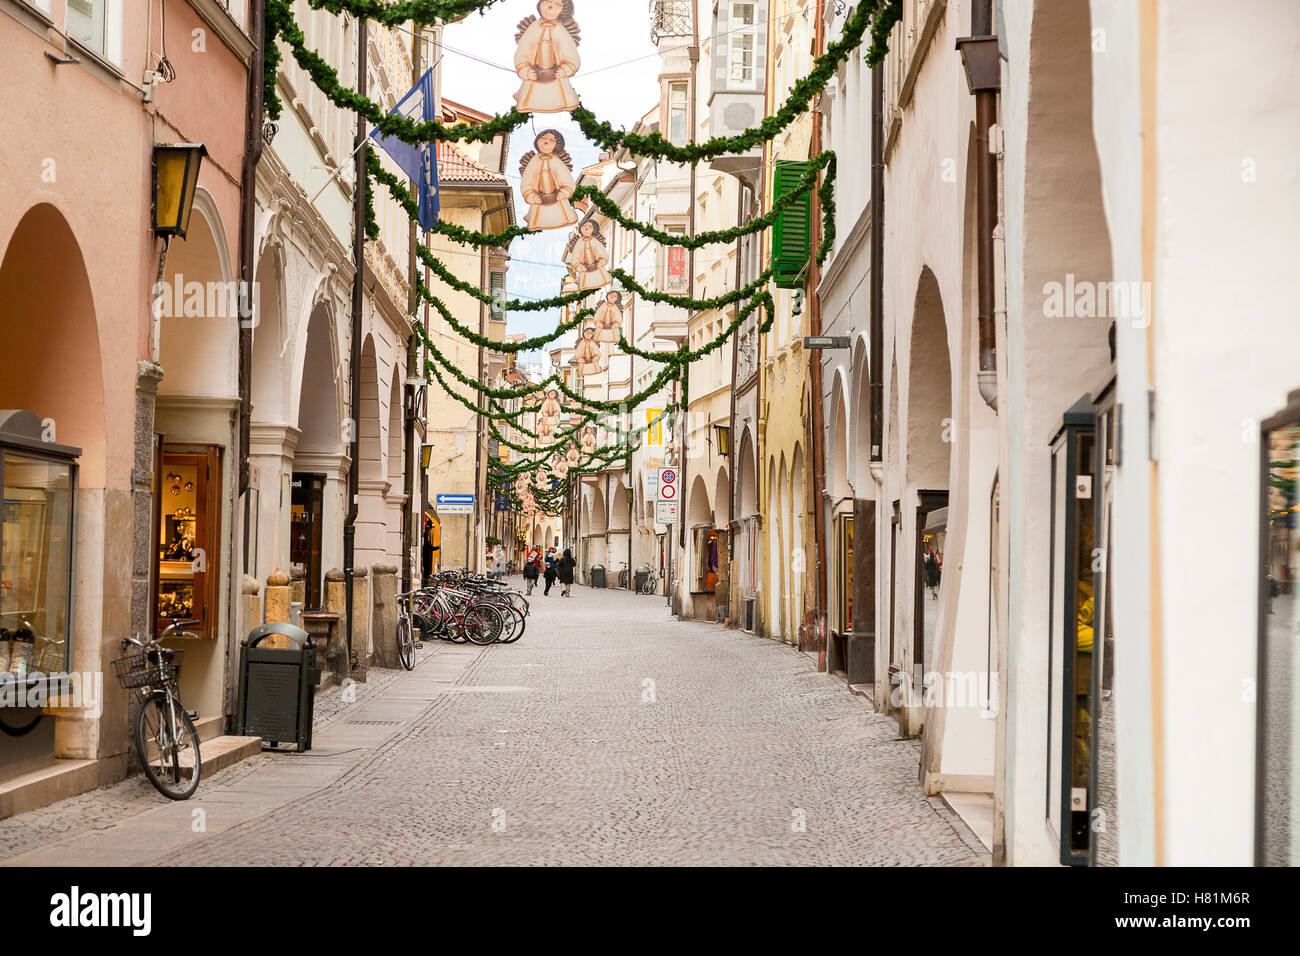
(454, 499)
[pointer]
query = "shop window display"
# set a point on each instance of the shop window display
(705, 560)
(1072, 703)
(1277, 839)
(189, 540)
(36, 551)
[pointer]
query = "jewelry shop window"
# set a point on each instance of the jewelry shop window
(39, 479)
(1071, 772)
(189, 541)
(1277, 744)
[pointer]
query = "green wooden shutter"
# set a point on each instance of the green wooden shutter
(791, 233)
(498, 284)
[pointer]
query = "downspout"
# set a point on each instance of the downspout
(631, 489)
(877, 277)
(979, 53)
(811, 280)
(354, 347)
(693, 51)
(412, 360)
(484, 281)
(247, 274)
(248, 233)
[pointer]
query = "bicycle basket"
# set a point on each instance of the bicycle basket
(139, 669)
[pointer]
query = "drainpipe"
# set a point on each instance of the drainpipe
(354, 350)
(248, 233)
(979, 53)
(412, 360)
(811, 280)
(877, 278)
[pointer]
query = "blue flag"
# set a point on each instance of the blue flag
(420, 163)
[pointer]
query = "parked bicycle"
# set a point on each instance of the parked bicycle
(651, 584)
(166, 741)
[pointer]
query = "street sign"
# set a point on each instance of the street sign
(454, 504)
(826, 342)
(666, 512)
(668, 484)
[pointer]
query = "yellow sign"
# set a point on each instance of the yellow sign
(654, 429)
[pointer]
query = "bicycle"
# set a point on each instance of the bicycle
(651, 584)
(166, 741)
(622, 575)
(405, 630)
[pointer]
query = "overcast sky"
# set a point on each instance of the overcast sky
(618, 81)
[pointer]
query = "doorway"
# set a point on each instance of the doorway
(306, 507)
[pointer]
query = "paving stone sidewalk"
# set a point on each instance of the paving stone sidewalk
(610, 734)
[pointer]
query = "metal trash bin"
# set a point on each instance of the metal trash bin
(642, 574)
(277, 686)
(597, 576)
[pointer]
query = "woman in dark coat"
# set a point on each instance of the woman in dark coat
(564, 568)
(549, 575)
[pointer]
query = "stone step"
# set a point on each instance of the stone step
(218, 753)
(221, 752)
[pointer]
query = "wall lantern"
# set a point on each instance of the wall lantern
(426, 455)
(629, 495)
(723, 433)
(175, 179)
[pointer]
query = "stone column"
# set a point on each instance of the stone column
(361, 612)
(383, 615)
(298, 586)
(277, 597)
(145, 548)
(336, 654)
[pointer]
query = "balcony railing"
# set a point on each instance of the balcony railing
(670, 18)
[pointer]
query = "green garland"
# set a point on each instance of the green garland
(809, 180)
(280, 23)
(797, 101)
(399, 12)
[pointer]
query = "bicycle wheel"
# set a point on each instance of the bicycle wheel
(168, 751)
(519, 602)
(520, 624)
(481, 624)
(405, 642)
(509, 621)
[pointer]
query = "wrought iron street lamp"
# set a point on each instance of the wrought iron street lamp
(175, 179)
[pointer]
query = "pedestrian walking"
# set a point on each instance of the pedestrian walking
(531, 571)
(550, 577)
(564, 570)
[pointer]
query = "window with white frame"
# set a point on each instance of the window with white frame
(678, 113)
(88, 24)
(741, 46)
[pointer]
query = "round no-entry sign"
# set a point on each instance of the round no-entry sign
(667, 484)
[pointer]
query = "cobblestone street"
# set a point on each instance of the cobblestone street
(610, 734)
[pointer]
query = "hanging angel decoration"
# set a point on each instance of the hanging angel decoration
(609, 317)
(572, 454)
(588, 353)
(539, 477)
(587, 256)
(589, 439)
(546, 56)
(545, 428)
(547, 174)
(550, 408)
(559, 464)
